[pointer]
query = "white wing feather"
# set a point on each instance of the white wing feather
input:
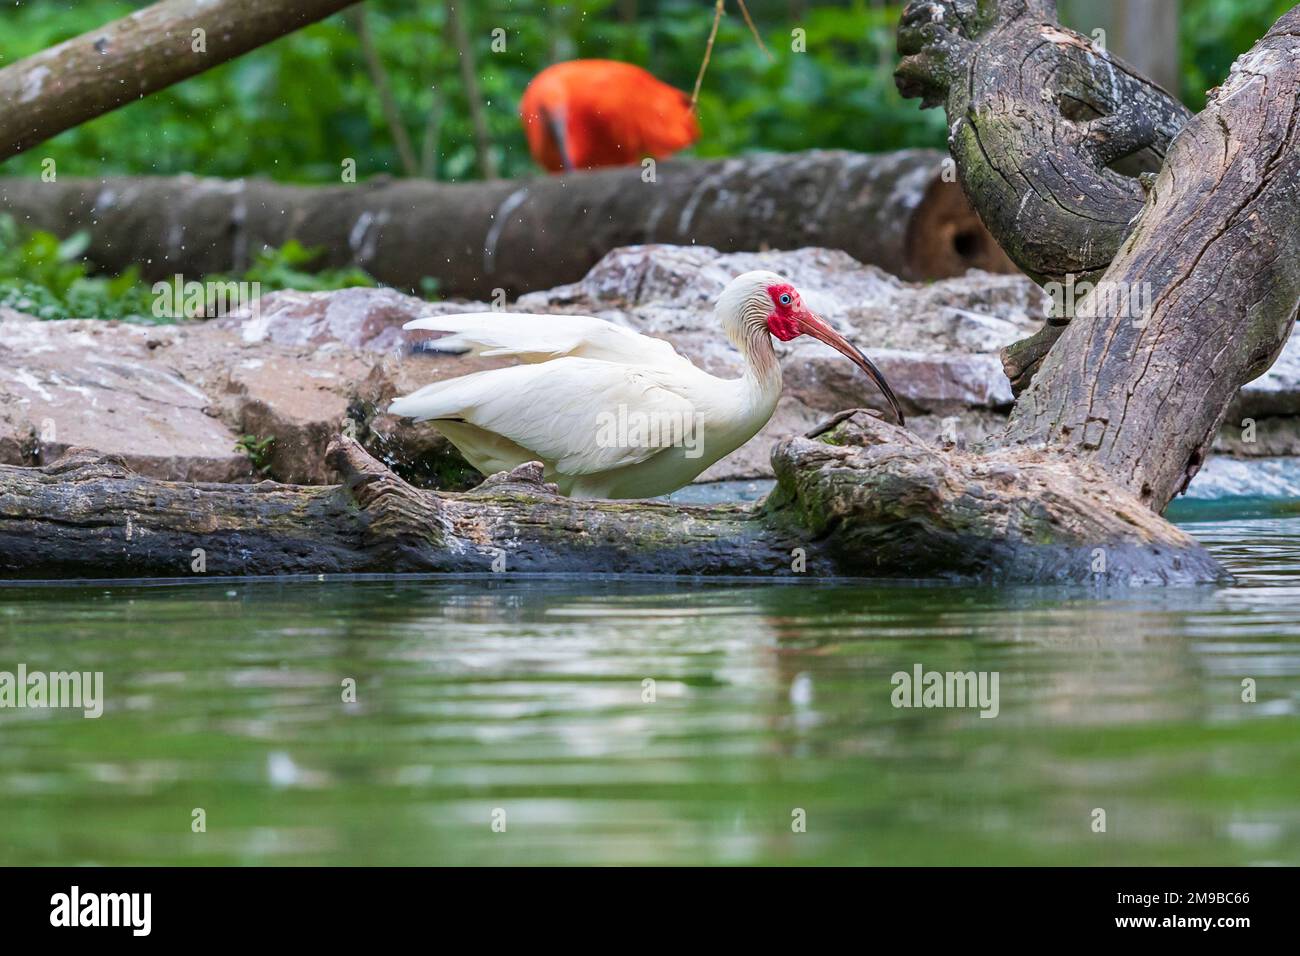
(560, 411)
(540, 338)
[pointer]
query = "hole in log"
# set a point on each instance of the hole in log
(1077, 110)
(966, 244)
(1135, 164)
(946, 237)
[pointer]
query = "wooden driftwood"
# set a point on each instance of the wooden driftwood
(1016, 518)
(894, 210)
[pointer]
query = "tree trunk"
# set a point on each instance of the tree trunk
(892, 210)
(131, 58)
(1216, 253)
(1199, 276)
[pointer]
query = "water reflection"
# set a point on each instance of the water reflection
(661, 721)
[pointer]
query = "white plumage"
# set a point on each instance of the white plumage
(607, 411)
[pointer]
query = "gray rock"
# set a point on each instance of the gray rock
(1277, 391)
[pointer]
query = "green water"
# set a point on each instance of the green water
(481, 696)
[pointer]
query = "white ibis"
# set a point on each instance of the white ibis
(611, 413)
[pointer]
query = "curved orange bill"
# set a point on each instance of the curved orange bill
(813, 325)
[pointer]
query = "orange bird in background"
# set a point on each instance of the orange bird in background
(588, 113)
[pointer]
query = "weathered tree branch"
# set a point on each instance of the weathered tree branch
(1049, 131)
(131, 58)
(892, 210)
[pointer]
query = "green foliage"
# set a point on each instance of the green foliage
(44, 276)
(296, 109)
(1215, 32)
(286, 268)
(258, 450)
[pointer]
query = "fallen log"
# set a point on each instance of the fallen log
(894, 210)
(91, 517)
(135, 56)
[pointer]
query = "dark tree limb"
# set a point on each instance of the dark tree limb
(892, 210)
(1049, 131)
(131, 58)
(921, 514)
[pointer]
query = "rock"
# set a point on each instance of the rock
(1276, 392)
(362, 318)
(299, 366)
(98, 385)
(305, 394)
(173, 401)
(936, 343)
(1223, 477)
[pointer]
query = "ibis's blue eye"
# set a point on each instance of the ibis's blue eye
(785, 298)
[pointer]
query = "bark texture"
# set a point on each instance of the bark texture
(893, 210)
(917, 514)
(131, 58)
(1050, 133)
(1218, 248)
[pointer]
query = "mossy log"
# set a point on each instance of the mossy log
(863, 499)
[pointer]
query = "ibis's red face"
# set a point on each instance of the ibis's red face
(790, 318)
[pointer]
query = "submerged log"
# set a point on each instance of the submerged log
(893, 210)
(1017, 518)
